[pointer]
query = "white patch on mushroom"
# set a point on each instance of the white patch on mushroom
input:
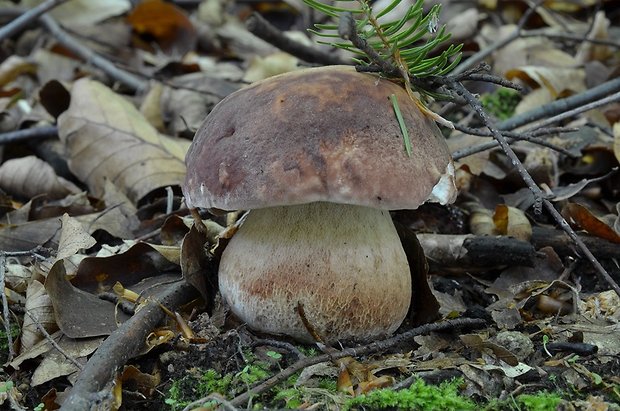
(444, 192)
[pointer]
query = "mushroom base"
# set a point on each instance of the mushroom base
(343, 263)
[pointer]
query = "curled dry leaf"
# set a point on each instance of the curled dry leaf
(512, 222)
(107, 138)
(30, 176)
(578, 215)
(617, 141)
(39, 306)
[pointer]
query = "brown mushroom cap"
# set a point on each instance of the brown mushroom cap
(321, 134)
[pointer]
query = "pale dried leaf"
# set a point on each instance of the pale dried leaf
(557, 80)
(55, 364)
(85, 12)
(17, 277)
(13, 67)
(30, 176)
(73, 237)
(261, 68)
(617, 140)
(107, 138)
(39, 306)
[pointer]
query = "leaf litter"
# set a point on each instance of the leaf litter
(89, 234)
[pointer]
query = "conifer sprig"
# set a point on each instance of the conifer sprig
(404, 44)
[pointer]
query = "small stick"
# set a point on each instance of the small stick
(536, 191)
(34, 133)
(260, 27)
(51, 340)
(355, 351)
(21, 22)
(578, 110)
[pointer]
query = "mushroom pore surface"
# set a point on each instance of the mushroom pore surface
(344, 263)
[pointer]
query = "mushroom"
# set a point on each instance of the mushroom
(318, 157)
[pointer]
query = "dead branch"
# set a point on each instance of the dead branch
(531, 184)
(549, 237)
(53, 342)
(34, 133)
(122, 345)
(27, 18)
(531, 137)
(560, 106)
(355, 352)
(261, 28)
(472, 251)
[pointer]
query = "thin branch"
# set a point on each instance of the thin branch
(123, 344)
(51, 340)
(597, 95)
(563, 105)
(261, 28)
(21, 22)
(578, 110)
(90, 57)
(569, 37)
(354, 352)
(34, 133)
(484, 53)
(512, 136)
(536, 191)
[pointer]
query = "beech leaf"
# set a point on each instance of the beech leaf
(107, 137)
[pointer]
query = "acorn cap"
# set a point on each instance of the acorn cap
(320, 134)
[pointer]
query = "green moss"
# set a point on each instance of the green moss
(542, 401)
(501, 103)
(4, 341)
(418, 396)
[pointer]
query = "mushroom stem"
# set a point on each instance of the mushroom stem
(344, 263)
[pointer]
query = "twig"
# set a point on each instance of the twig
(128, 79)
(512, 136)
(260, 27)
(123, 344)
(575, 102)
(5, 304)
(34, 133)
(578, 110)
(51, 340)
(536, 191)
(563, 105)
(569, 37)
(482, 54)
(355, 351)
(28, 17)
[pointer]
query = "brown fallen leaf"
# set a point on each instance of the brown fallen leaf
(165, 23)
(27, 177)
(512, 222)
(107, 138)
(39, 308)
(579, 216)
(73, 238)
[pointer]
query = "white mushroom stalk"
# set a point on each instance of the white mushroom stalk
(344, 263)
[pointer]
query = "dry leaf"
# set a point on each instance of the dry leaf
(39, 306)
(512, 222)
(55, 364)
(263, 67)
(29, 176)
(107, 138)
(558, 81)
(579, 216)
(13, 67)
(164, 22)
(78, 313)
(73, 238)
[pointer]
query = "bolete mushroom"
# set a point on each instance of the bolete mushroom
(318, 157)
